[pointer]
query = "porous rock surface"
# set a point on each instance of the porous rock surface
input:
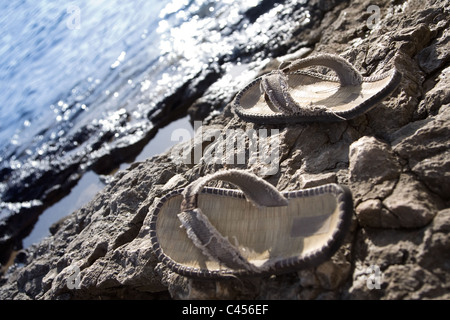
(395, 159)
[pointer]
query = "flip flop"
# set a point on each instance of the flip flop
(292, 95)
(217, 233)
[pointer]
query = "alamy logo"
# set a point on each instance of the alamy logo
(74, 20)
(374, 19)
(231, 146)
(73, 280)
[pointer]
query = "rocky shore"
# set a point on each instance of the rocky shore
(395, 159)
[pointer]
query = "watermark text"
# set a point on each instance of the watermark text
(228, 147)
(74, 20)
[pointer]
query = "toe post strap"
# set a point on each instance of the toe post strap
(211, 243)
(256, 190)
(347, 74)
(276, 88)
(202, 232)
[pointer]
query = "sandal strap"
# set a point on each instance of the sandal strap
(347, 74)
(276, 88)
(211, 242)
(276, 91)
(204, 235)
(256, 190)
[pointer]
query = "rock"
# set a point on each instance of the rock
(375, 173)
(435, 173)
(436, 242)
(373, 169)
(309, 181)
(332, 275)
(394, 159)
(411, 204)
(24, 214)
(436, 55)
(426, 149)
(389, 263)
(438, 96)
(370, 213)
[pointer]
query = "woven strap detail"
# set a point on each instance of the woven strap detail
(205, 236)
(276, 88)
(212, 244)
(257, 190)
(347, 74)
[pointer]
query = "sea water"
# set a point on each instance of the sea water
(65, 64)
(68, 62)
